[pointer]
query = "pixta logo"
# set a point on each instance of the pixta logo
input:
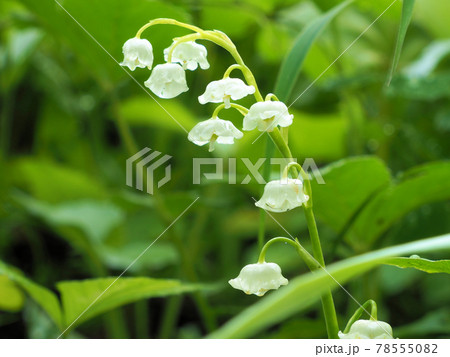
(140, 166)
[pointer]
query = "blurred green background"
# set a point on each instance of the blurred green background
(66, 213)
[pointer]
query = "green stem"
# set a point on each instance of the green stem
(266, 175)
(241, 109)
(231, 69)
(306, 257)
(359, 312)
(327, 299)
(141, 319)
(171, 313)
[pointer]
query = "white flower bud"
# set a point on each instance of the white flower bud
(282, 195)
(212, 131)
(259, 278)
(267, 115)
(167, 80)
(225, 89)
(189, 54)
(368, 329)
(137, 52)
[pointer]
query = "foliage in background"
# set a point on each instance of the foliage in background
(66, 214)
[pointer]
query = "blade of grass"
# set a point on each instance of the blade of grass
(290, 68)
(407, 11)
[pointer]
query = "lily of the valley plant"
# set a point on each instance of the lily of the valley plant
(267, 114)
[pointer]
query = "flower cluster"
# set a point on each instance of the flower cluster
(168, 80)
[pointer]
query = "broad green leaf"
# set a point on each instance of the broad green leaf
(11, 297)
(161, 255)
(292, 64)
(420, 185)
(407, 11)
(344, 192)
(426, 265)
(54, 183)
(436, 86)
(303, 291)
(109, 293)
(46, 299)
(144, 111)
(96, 219)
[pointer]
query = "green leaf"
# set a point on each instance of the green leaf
(292, 64)
(418, 186)
(303, 291)
(429, 266)
(407, 11)
(96, 219)
(53, 183)
(46, 299)
(11, 297)
(97, 296)
(119, 257)
(344, 193)
(430, 88)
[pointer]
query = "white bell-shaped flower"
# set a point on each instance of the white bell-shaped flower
(259, 278)
(214, 130)
(189, 54)
(138, 52)
(282, 195)
(267, 115)
(225, 89)
(368, 329)
(167, 80)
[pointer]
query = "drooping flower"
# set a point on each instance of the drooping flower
(259, 278)
(282, 195)
(189, 54)
(167, 80)
(267, 115)
(214, 130)
(368, 329)
(225, 89)
(138, 52)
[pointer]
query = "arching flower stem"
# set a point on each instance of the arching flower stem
(306, 257)
(231, 69)
(165, 21)
(219, 38)
(241, 109)
(373, 313)
(271, 96)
